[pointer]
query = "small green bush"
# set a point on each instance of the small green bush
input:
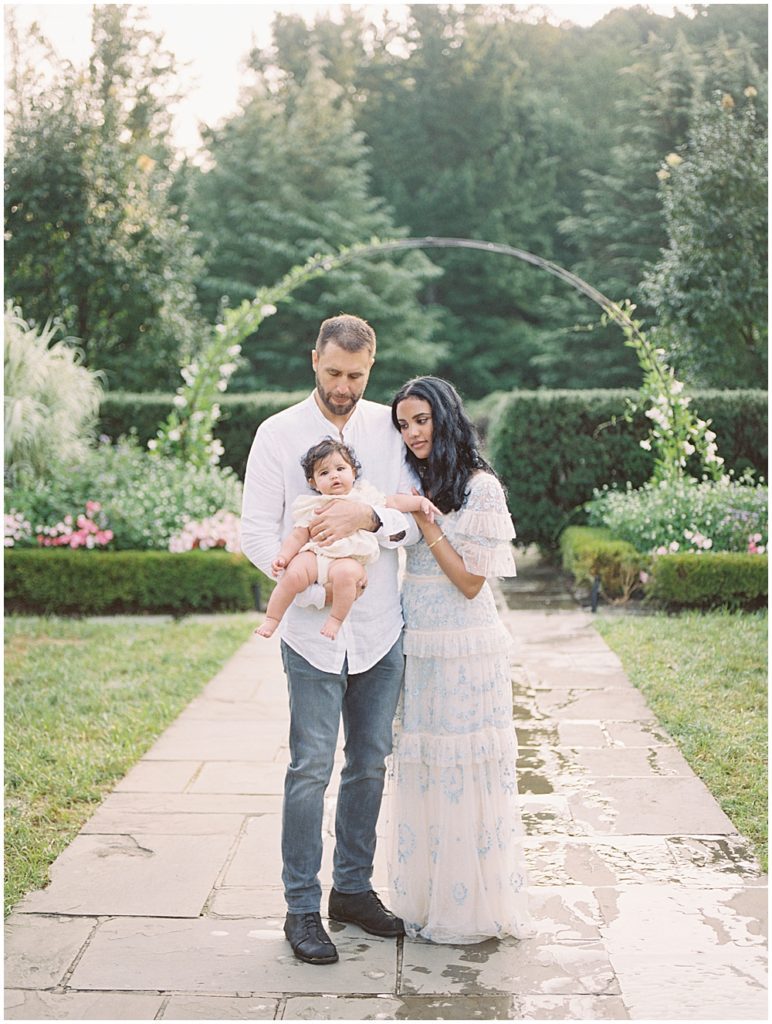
(589, 552)
(723, 579)
(122, 412)
(64, 582)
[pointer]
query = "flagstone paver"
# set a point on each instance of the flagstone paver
(646, 902)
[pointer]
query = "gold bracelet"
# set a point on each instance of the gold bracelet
(441, 537)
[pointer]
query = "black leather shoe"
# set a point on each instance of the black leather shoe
(310, 942)
(366, 910)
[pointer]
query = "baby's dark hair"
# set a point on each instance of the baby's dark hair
(329, 446)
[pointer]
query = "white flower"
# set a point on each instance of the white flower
(645, 444)
(152, 443)
(174, 435)
(215, 411)
(227, 369)
(268, 309)
(197, 416)
(688, 448)
(180, 401)
(677, 387)
(221, 328)
(234, 350)
(673, 159)
(222, 385)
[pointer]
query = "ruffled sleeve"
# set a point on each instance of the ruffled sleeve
(483, 530)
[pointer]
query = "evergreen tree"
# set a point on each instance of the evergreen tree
(289, 178)
(710, 284)
(91, 236)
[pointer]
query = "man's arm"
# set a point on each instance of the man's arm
(262, 509)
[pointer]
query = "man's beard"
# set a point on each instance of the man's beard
(334, 408)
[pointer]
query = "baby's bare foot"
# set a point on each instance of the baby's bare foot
(268, 627)
(331, 627)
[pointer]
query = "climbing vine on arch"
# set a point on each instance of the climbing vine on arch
(675, 432)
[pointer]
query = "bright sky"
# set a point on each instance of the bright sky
(214, 38)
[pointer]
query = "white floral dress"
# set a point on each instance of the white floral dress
(456, 866)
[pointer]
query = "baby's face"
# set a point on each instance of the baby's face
(333, 475)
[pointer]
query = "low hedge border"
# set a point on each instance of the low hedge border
(66, 582)
(687, 580)
(709, 580)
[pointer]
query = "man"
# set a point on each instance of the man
(356, 676)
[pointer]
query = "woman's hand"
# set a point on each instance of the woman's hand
(335, 520)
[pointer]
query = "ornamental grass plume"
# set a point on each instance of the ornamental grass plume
(51, 399)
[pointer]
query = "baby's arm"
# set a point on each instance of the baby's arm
(292, 543)
(413, 503)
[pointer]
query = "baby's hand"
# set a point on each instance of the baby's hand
(428, 509)
(278, 565)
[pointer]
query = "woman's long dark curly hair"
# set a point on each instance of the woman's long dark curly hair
(455, 453)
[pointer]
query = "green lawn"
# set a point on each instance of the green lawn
(705, 677)
(84, 700)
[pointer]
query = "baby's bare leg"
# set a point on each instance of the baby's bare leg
(344, 575)
(299, 574)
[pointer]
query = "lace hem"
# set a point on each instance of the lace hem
(496, 525)
(495, 561)
(489, 745)
(446, 643)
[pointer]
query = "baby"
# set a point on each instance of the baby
(331, 469)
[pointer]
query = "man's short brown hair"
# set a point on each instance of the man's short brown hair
(350, 332)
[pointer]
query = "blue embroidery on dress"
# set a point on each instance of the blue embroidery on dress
(460, 892)
(453, 783)
(406, 842)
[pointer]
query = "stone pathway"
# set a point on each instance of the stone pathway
(167, 905)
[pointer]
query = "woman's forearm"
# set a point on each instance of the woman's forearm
(449, 560)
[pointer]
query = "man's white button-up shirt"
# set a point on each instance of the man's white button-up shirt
(274, 478)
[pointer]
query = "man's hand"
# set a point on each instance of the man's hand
(338, 519)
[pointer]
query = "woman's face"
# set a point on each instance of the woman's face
(414, 416)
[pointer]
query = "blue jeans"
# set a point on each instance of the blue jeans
(367, 701)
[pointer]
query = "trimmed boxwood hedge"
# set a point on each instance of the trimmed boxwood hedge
(122, 412)
(65, 582)
(552, 448)
(686, 580)
(710, 580)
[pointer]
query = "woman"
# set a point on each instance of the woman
(455, 845)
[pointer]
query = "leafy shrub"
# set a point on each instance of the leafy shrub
(51, 400)
(65, 582)
(552, 449)
(709, 580)
(146, 499)
(683, 515)
(589, 552)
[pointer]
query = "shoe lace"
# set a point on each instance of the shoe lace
(311, 924)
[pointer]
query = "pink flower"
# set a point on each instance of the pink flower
(93, 506)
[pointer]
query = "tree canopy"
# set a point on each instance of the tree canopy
(477, 121)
